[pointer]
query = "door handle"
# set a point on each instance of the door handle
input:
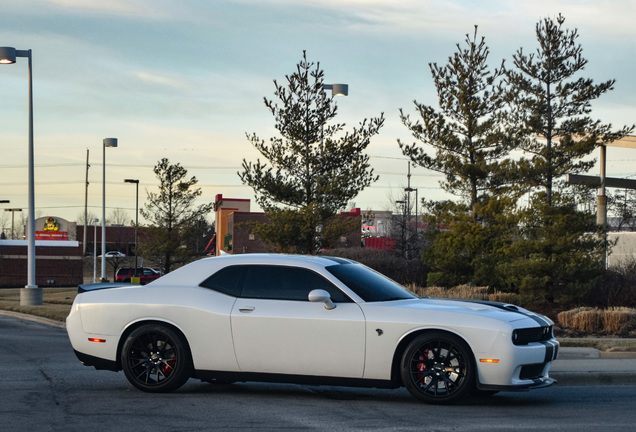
(247, 309)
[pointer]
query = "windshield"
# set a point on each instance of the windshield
(368, 284)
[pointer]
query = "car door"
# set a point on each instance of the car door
(276, 329)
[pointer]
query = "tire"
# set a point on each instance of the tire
(438, 368)
(156, 359)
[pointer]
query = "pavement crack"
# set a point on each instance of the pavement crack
(53, 393)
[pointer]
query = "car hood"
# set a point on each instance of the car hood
(500, 311)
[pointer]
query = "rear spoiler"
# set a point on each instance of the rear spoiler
(100, 286)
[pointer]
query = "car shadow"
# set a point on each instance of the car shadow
(401, 395)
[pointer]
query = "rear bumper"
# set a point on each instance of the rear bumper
(96, 362)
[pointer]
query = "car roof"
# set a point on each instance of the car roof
(197, 271)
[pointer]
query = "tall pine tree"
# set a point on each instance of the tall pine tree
(313, 168)
(557, 256)
(550, 108)
(470, 146)
(172, 214)
(465, 132)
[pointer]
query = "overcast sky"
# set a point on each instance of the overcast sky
(186, 79)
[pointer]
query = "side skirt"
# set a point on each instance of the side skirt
(205, 375)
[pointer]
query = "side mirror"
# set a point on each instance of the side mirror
(321, 296)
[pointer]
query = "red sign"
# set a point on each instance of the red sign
(51, 235)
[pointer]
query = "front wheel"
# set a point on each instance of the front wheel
(437, 368)
(155, 359)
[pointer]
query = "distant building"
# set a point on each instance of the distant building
(624, 252)
(234, 236)
(58, 256)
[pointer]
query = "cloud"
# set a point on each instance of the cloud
(160, 80)
(610, 18)
(118, 7)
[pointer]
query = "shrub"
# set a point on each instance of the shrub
(616, 287)
(614, 321)
(466, 292)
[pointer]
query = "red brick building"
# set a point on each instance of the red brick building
(57, 263)
(59, 253)
(234, 236)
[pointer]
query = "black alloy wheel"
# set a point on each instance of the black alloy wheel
(438, 368)
(156, 359)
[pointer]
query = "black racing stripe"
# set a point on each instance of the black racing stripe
(549, 353)
(503, 306)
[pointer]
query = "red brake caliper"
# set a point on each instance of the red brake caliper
(421, 367)
(168, 367)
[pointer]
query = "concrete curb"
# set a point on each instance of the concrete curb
(592, 367)
(591, 378)
(34, 318)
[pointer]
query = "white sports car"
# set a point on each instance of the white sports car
(306, 319)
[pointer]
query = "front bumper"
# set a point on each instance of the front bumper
(519, 367)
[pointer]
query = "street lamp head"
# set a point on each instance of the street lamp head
(110, 142)
(131, 181)
(337, 89)
(340, 90)
(7, 55)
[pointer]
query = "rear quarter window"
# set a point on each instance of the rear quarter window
(228, 280)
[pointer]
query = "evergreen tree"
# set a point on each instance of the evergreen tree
(465, 133)
(171, 214)
(312, 169)
(470, 147)
(550, 107)
(463, 251)
(557, 256)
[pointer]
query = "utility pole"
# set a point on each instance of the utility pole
(408, 191)
(86, 203)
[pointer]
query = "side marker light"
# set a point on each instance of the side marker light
(489, 360)
(97, 340)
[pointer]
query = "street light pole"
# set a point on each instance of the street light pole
(108, 142)
(136, 182)
(31, 294)
(95, 249)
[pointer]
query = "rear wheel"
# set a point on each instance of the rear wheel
(155, 358)
(437, 368)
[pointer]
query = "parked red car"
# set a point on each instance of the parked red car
(145, 274)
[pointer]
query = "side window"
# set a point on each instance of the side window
(228, 280)
(287, 283)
